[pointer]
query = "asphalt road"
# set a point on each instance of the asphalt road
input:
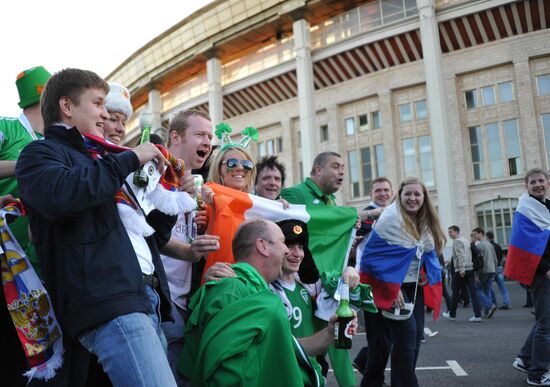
(470, 354)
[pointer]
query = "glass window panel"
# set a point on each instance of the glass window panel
(279, 144)
(488, 94)
(363, 122)
(543, 83)
(471, 99)
(512, 147)
(480, 220)
(426, 161)
(261, 149)
(324, 133)
(410, 7)
(299, 139)
(350, 126)
(367, 168)
(270, 147)
(370, 15)
(353, 173)
(420, 110)
(545, 118)
(379, 156)
(392, 10)
(493, 146)
(405, 112)
(477, 152)
(505, 92)
(409, 154)
(376, 120)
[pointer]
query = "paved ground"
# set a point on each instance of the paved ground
(470, 354)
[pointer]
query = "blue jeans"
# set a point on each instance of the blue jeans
(499, 279)
(483, 289)
(459, 283)
(536, 350)
(132, 348)
(173, 330)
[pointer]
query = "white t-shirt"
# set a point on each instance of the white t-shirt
(178, 272)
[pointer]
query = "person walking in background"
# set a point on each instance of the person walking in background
(487, 273)
(464, 274)
(528, 262)
(499, 274)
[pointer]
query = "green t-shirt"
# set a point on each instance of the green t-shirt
(307, 193)
(14, 136)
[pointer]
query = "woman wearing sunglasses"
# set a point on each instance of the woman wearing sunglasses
(233, 167)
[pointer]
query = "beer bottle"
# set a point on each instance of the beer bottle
(342, 328)
(140, 176)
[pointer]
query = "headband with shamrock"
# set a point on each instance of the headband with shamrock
(223, 130)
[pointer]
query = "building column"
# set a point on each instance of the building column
(528, 121)
(306, 92)
(215, 94)
(155, 109)
(437, 107)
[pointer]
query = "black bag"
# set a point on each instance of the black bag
(477, 258)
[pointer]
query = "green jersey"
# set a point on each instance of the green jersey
(15, 134)
(301, 319)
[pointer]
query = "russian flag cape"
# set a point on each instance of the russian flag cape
(530, 234)
(387, 256)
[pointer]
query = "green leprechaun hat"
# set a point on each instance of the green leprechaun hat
(30, 84)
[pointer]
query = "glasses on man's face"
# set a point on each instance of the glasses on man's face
(232, 163)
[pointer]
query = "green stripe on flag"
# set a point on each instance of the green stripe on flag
(330, 232)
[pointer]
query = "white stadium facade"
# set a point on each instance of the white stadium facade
(456, 92)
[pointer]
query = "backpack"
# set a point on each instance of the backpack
(477, 258)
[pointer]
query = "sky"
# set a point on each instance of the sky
(97, 35)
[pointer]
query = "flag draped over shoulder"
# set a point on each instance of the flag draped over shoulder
(29, 304)
(530, 234)
(330, 228)
(387, 256)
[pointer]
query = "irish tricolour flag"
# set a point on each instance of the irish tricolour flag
(530, 234)
(330, 228)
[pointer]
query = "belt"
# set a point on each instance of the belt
(151, 280)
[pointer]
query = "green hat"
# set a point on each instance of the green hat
(30, 84)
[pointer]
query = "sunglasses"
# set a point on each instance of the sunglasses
(232, 163)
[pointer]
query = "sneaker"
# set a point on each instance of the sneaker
(505, 307)
(544, 380)
(519, 365)
(447, 315)
(474, 319)
(491, 311)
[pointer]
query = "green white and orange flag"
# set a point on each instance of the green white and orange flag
(331, 229)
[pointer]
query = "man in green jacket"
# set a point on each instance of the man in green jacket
(238, 331)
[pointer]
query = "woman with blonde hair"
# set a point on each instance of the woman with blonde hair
(233, 167)
(404, 244)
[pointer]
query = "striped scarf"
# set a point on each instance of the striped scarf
(29, 304)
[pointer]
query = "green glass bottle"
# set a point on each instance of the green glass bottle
(342, 328)
(140, 176)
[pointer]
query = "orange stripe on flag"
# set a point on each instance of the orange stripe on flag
(224, 219)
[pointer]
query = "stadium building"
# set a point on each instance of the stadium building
(456, 92)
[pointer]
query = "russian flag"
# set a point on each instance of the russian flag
(387, 256)
(530, 235)
(331, 229)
